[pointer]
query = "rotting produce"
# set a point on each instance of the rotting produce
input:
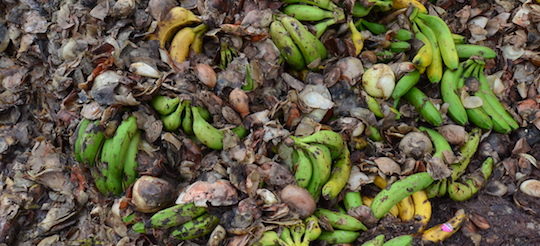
(379, 117)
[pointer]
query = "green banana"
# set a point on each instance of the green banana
(448, 92)
(313, 229)
(176, 215)
(360, 10)
(479, 118)
(286, 236)
(405, 240)
(333, 140)
(400, 46)
(206, 133)
(205, 114)
(321, 27)
(494, 101)
(340, 221)
(240, 131)
(467, 152)
(374, 106)
(100, 181)
(187, 119)
(321, 160)
(377, 241)
(387, 198)
(114, 153)
(302, 168)
(311, 48)
(198, 227)
(444, 39)
(139, 227)
(164, 105)
(470, 50)
(307, 13)
(404, 84)
(269, 238)
(341, 171)
(130, 163)
(91, 141)
(441, 145)
(443, 188)
(352, 199)
(499, 124)
(173, 121)
(325, 4)
(288, 49)
(403, 35)
(373, 27)
(81, 128)
(374, 134)
(458, 39)
(339, 236)
(424, 106)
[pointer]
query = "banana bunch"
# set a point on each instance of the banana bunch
(405, 240)
(193, 120)
(182, 221)
(313, 156)
(457, 187)
(116, 166)
(298, 47)
(300, 234)
(416, 206)
(346, 228)
(400, 42)
(176, 29)
(326, 12)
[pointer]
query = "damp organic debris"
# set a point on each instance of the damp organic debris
(269, 122)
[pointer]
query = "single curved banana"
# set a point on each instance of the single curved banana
(130, 163)
(441, 232)
(206, 133)
(322, 26)
(114, 153)
(81, 128)
(339, 236)
(405, 240)
(325, 4)
(341, 170)
(467, 152)
(387, 198)
(313, 229)
(187, 119)
(173, 121)
(303, 12)
(198, 227)
(406, 209)
(285, 44)
(164, 105)
(312, 49)
(444, 38)
(333, 140)
(456, 110)
(424, 57)
(357, 39)
(175, 19)
(377, 241)
(470, 50)
(435, 69)
(422, 208)
(302, 168)
(321, 160)
(91, 143)
(176, 215)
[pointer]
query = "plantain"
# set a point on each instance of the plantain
(198, 227)
(176, 215)
(441, 232)
(173, 121)
(307, 12)
(130, 164)
(311, 48)
(182, 41)
(114, 153)
(288, 49)
(91, 142)
(175, 19)
(206, 133)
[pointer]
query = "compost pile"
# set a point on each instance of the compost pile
(266, 122)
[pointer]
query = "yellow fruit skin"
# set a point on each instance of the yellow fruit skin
(180, 45)
(422, 208)
(400, 4)
(406, 209)
(441, 232)
(177, 18)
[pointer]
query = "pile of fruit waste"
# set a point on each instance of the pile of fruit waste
(290, 123)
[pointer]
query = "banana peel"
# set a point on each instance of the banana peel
(177, 18)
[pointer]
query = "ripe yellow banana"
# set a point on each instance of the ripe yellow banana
(401, 4)
(441, 232)
(177, 18)
(206, 133)
(406, 209)
(424, 57)
(357, 39)
(182, 42)
(422, 208)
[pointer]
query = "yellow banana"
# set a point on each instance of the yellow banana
(424, 57)
(177, 18)
(406, 209)
(206, 133)
(401, 4)
(181, 42)
(380, 182)
(435, 69)
(422, 208)
(441, 232)
(357, 38)
(197, 45)
(339, 177)
(444, 38)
